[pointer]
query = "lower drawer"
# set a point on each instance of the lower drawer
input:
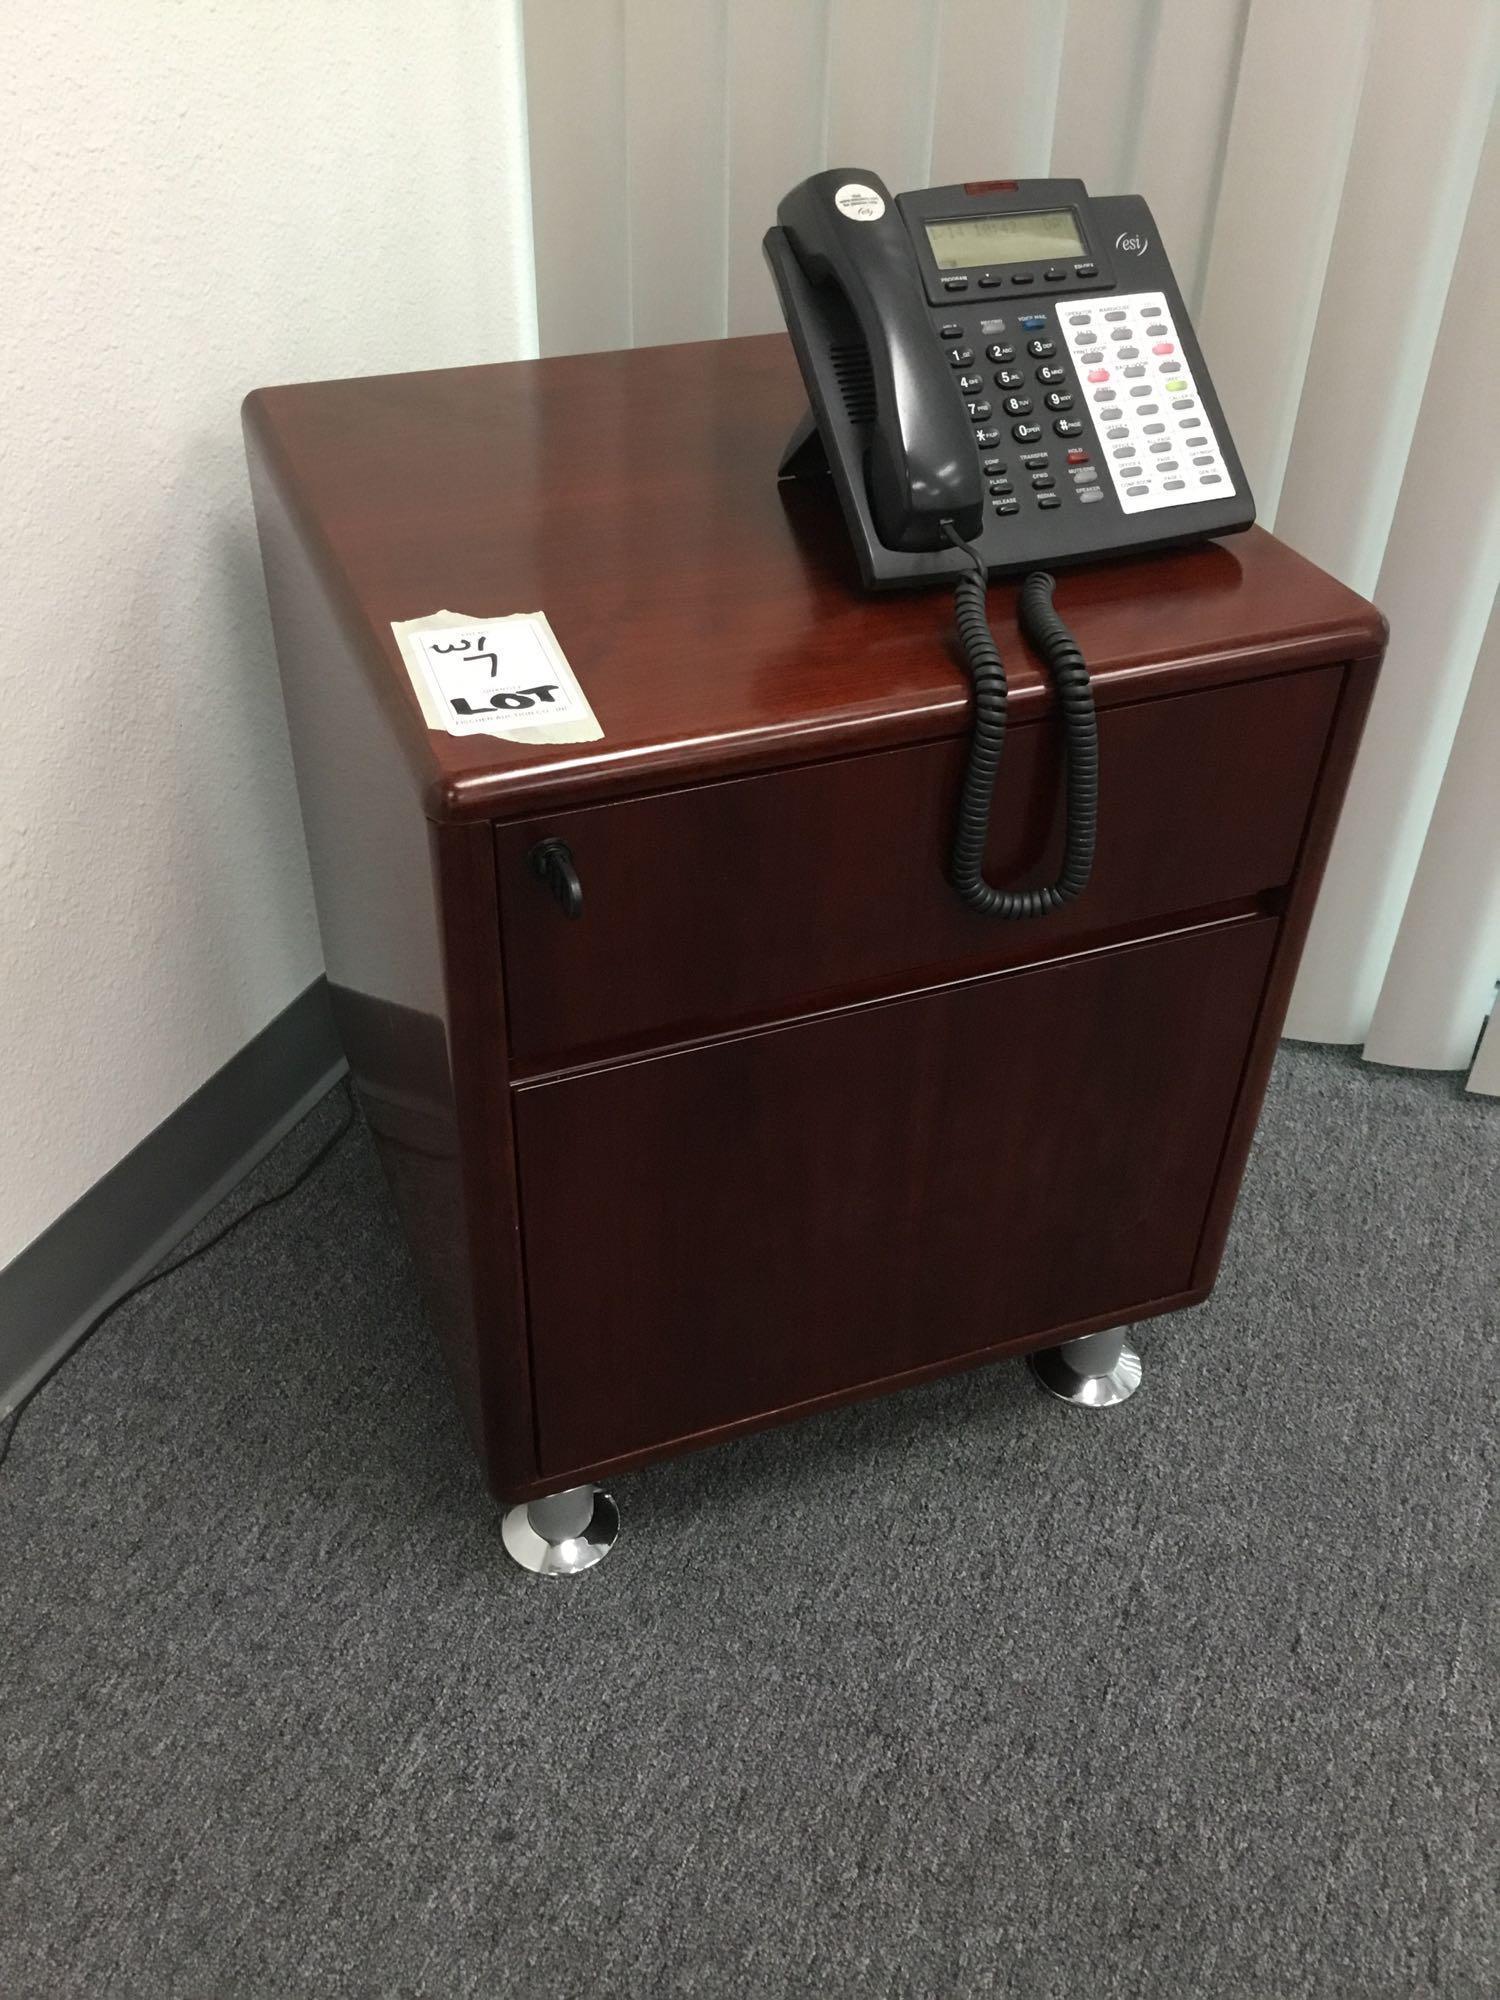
(735, 902)
(719, 1234)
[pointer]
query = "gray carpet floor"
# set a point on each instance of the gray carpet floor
(962, 1692)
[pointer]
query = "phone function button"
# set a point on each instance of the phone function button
(1159, 444)
(979, 409)
(1009, 505)
(1067, 427)
(1034, 460)
(1040, 479)
(1133, 374)
(1124, 451)
(1141, 389)
(1182, 403)
(1153, 430)
(1086, 475)
(1079, 319)
(1059, 399)
(1164, 347)
(951, 330)
(1042, 349)
(1168, 465)
(1094, 354)
(1127, 354)
(955, 284)
(1000, 350)
(987, 437)
(1029, 322)
(1175, 387)
(998, 486)
(1135, 492)
(1152, 332)
(1085, 270)
(971, 384)
(1109, 416)
(1173, 485)
(1117, 431)
(1049, 499)
(1055, 274)
(1148, 409)
(1024, 433)
(1023, 277)
(993, 466)
(1206, 459)
(1209, 479)
(1077, 456)
(991, 278)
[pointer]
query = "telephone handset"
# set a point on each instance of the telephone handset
(1000, 374)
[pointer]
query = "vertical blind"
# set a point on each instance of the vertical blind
(1327, 182)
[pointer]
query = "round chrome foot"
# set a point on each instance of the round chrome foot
(1096, 1372)
(563, 1534)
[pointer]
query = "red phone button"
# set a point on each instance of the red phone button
(1078, 458)
(1098, 374)
(1164, 347)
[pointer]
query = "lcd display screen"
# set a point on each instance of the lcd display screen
(1005, 239)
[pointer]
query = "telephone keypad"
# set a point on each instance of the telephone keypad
(1018, 406)
(1042, 349)
(960, 357)
(1010, 378)
(1051, 372)
(979, 410)
(1000, 351)
(1059, 399)
(971, 384)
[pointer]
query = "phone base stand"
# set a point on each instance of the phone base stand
(1095, 1372)
(805, 456)
(564, 1533)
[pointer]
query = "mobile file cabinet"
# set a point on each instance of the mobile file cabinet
(704, 1100)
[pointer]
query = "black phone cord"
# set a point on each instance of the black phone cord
(1058, 650)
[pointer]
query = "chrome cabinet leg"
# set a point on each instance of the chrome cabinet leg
(1096, 1371)
(563, 1533)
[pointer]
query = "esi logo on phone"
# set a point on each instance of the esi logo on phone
(859, 203)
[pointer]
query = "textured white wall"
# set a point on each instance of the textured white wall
(194, 200)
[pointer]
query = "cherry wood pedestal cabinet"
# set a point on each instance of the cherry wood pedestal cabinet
(775, 1122)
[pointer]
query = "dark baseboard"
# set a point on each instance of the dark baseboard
(128, 1221)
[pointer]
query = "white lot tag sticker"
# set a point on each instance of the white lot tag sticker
(503, 677)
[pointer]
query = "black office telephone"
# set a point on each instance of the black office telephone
(1000, 374)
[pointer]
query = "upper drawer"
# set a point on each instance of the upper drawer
(714, 906)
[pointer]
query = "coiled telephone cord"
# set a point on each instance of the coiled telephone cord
(1058, 650)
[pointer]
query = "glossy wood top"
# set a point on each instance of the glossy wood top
(713, 616)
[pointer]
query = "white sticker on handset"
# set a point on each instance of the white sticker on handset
(859, 203)
(502, 676)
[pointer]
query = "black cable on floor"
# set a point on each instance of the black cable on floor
(266, 1201)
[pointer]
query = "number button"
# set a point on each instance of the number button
(971, 384)
(1025, 433)
(1010, 378)
(1018, 406)
(978, 411)
(1051, 372)
(1001, 351)
(1058, 399)
(1042, 349)
(1068, 427)
(960, 357)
